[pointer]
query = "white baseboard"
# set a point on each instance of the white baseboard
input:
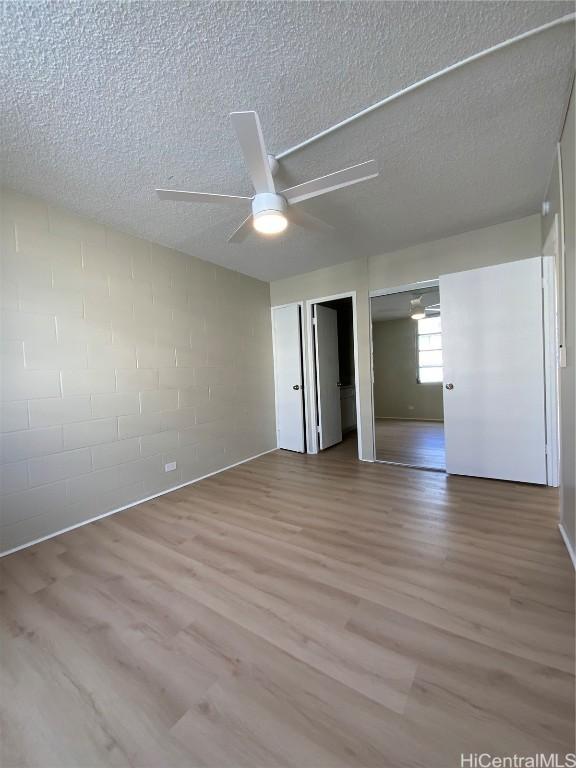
(132, 504)
(407, 418)
(569, 546)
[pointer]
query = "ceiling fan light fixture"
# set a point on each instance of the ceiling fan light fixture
(268, 210)
(417, 309)
(270, 223)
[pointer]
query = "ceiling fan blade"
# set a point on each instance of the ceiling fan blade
(197, 197)
(336, 180)
(242, 232)
(249, 132)
(306, 221)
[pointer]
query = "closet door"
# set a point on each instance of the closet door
(493, 351)
(287, 338)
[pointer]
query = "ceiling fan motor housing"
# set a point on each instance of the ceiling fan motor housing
(268, 202)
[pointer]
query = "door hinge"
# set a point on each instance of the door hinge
(318, 428)
(313, 321)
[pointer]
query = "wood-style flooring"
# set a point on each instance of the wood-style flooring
(305, 611)
(406, 441)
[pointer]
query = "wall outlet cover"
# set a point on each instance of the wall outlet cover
(170, 467)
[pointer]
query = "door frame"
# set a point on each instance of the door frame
(310, 389)
(304, 367)
(552, 352)
(434, 283)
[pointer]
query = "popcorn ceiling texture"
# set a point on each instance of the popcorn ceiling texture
(103, 101)
(119, 356)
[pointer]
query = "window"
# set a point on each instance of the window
(429, 338)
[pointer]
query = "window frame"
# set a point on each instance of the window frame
(418, 366)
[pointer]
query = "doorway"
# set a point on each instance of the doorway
(408, 377)
(315, 348)
(482, 335)
(334, 371)
(336, 333)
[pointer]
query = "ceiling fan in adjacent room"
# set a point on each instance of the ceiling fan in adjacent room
(419, 310)
(272, 210)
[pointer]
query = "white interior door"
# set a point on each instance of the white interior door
(494, 409)
(327, 376)
(287, 336)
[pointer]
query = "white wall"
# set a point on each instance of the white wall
(119, 356)
(511, 241)
(519, 239)
(397, 392)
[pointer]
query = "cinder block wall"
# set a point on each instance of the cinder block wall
(119, 356)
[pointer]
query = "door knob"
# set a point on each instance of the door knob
(296, 386)
(449, 386)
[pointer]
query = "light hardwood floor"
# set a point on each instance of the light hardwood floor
(407, 441)
(306, 611)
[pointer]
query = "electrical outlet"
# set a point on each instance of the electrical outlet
(170, 467)
(410, 407)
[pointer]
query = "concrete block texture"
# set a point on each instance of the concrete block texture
(117, 356)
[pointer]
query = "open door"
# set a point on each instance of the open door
(287, 337)
(494, 407)
(327, 376)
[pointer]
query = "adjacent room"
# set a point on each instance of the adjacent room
(287, 349)
(408, 376)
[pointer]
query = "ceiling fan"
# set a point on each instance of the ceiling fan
(271, 210)
(418, 310)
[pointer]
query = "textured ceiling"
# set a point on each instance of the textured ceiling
(103, 101)
(396, 305)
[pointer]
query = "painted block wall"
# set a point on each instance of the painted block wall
(119, 356)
